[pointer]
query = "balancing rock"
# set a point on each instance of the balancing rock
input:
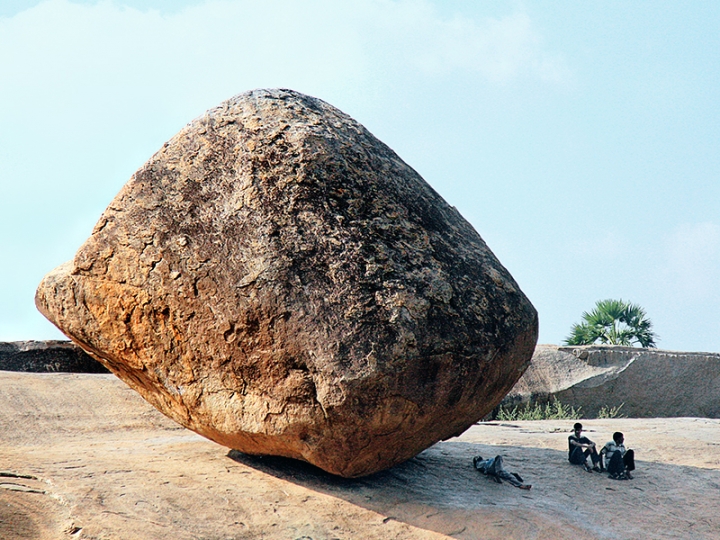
(278, 280)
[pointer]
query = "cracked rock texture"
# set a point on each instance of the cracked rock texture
(278, 280)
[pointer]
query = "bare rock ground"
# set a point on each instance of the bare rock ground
(83, 456)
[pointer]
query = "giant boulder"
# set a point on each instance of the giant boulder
(278, 280)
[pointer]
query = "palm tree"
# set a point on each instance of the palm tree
(613, 322)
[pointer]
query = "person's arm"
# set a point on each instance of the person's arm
(608, 448)
(586, 444)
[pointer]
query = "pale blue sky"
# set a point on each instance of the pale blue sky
(582, 140)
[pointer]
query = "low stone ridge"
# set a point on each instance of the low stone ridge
(648, 383)
(47, 356)
(278, 280)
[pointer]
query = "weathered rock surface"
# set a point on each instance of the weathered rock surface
(279, 281)
(47, 356)
(646, 382)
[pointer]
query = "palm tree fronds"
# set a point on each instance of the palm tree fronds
(613, 322)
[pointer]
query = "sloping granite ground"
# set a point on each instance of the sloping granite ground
(83, 456)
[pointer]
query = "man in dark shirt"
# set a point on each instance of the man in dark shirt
(579, 448)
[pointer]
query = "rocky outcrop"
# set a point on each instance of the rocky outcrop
(47, 356)
(646, 382)
(280, 281)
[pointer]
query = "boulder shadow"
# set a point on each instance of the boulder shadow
(440, 491)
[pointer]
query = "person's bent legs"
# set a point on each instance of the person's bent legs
(629, 462)
(499, 471)
(615, 466)
(595, 457)
(577, 456)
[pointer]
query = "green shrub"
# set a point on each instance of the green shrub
(554, 410)
(550, 411)
(612, 412)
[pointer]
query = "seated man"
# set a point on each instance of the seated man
(579, 448)
(619, 460)
(493, 468)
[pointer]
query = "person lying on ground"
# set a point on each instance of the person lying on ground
(620, 461)
(579, 448)
(493, 468)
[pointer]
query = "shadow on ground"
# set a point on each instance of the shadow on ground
(440, 491)
(442, 475)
